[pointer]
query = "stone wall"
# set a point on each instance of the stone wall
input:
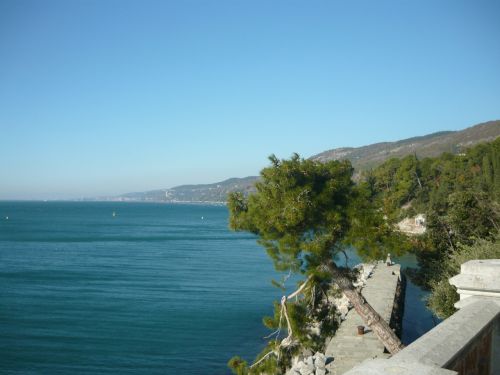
(398, 307)
(476, 357)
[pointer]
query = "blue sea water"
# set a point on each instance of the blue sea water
(155, 289)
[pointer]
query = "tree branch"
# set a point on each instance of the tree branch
(298, 291)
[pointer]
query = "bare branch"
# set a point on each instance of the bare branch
(260, 360)
(298, 291)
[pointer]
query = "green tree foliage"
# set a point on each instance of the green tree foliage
(238, 365)
(304, 213)
(427, 183)
(458, 194)
(398, 181)
(467, 218)
(443, 294)
(300, 211)
(370, 233)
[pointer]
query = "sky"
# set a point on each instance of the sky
(102, 97)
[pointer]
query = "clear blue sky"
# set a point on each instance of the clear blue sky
(106, 97)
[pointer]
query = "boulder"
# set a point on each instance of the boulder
(319, 361)
(309, 361)
(306, 368)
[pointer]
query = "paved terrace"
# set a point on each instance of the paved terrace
(467, 343)
(347, 347)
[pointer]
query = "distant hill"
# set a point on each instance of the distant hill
(370, 156)
(362, 158)
(213, 193)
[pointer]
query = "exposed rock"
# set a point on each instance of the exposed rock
(342, 303)
(307, 368)
(312, 365)
(412, 226)
(308, 364)
(301, 357)
(319, 361)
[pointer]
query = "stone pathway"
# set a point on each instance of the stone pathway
(347, 347)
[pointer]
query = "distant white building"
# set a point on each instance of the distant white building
(420, 220)
(412, 226)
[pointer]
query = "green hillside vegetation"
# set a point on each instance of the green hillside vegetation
(443, 294)
(431, 145)
(207, 193)
(216, 192)
(306, 211)
(459, 194)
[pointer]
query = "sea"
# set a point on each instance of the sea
(138, 288)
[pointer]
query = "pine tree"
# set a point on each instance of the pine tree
(304, 213)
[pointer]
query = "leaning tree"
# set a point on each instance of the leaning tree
(305, 213)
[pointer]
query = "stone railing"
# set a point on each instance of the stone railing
(467, 343)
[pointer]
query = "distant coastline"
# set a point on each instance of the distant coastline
(90, 200)
(213, 203)
(362, 158)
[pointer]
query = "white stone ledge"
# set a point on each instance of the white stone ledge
(446, 342)
(477, 278)
(477, 283)
(391, 367)
(480, 267)
(479, 289)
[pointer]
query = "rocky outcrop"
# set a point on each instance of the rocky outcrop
(412, 226)
(342, 304)
(312, 365)
(308, 364)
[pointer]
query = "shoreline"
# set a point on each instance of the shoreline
(208, 203)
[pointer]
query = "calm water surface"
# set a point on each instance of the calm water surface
(155, 289)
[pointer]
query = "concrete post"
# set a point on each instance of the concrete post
(480, 278)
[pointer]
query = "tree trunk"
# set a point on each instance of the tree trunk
(371, 318)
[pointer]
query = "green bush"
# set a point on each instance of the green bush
(443, 295)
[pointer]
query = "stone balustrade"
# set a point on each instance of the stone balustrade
(467, 343)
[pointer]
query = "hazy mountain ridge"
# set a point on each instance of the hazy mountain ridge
(214, 193)
(431, 145)
(362, 158)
